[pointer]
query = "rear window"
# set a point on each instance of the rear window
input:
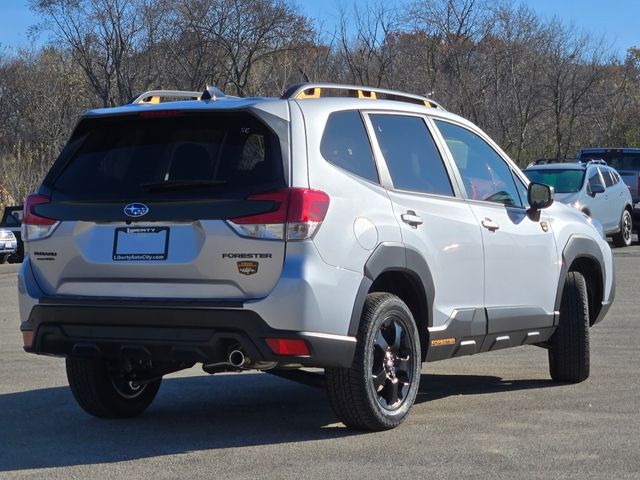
(562, 180)
(188, 154)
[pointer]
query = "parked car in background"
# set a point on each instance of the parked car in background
(627, 162)
(8, 244)
(12, 220)
(592, 187)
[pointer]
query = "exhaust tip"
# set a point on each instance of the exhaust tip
(237, 358)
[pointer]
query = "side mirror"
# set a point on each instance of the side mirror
(596, 188)
(539, 195)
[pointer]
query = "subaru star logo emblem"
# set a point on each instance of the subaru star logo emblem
(136, 210)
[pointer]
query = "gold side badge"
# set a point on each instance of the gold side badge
(545, 226)
(441, 342)
(247, 268)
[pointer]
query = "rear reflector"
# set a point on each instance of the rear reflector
(297, 215)
(288, 346)
(27, 338)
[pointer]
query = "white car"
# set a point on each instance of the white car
(594, 188)
(8, 244)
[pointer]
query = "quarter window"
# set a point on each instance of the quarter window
(411, 155)
(486, 176)
(345, 143)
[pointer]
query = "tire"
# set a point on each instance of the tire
(569, 345)
(102, 394)
(3, 259)
(379, 389)
(623, 238)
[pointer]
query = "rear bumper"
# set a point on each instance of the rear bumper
(168, 331)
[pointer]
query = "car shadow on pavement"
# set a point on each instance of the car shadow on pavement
(434, 387)
(45, 428)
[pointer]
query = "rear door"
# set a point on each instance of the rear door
(143, 202)
(521, 267)
(434, 221)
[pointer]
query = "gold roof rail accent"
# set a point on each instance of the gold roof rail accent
(155, 96)
(309, 93)
(371, 95)
(303, 91)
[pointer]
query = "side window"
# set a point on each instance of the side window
(411, 154)
(345, 143)
(609, 180)
(594, 179)
(486, 176)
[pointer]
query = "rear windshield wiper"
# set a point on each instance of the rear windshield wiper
(181, 184)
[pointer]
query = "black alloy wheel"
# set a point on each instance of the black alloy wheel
(392, 368)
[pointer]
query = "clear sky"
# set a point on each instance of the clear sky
(616, 20)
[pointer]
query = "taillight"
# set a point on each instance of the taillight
(298, 214)
(34, 226)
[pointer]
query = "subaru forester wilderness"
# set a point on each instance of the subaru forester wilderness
(359, 230)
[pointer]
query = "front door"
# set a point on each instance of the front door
(521, 268)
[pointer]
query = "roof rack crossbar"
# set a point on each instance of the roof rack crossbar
(595, 161)
(154, 96)
(315, 90)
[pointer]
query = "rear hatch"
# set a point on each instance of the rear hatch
(141, 203)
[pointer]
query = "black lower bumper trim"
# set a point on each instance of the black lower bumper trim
(180, 333)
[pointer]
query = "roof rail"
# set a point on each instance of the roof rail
(583, 161)
(155, 96)
(593, 161)
(316, 90)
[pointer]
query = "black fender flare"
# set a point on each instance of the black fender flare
(577, 247)
(394, 256)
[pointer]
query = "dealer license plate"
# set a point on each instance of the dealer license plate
(140, 243)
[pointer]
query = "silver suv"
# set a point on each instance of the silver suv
(359, 230)
(594, 188)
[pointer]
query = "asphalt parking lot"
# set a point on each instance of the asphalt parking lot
(494, 415)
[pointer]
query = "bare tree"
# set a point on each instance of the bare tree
(367, 53)
(571, 70)
(41, 96)
(247, 35)
(111, 40)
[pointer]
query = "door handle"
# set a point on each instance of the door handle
(490, 225)
(411, 218)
